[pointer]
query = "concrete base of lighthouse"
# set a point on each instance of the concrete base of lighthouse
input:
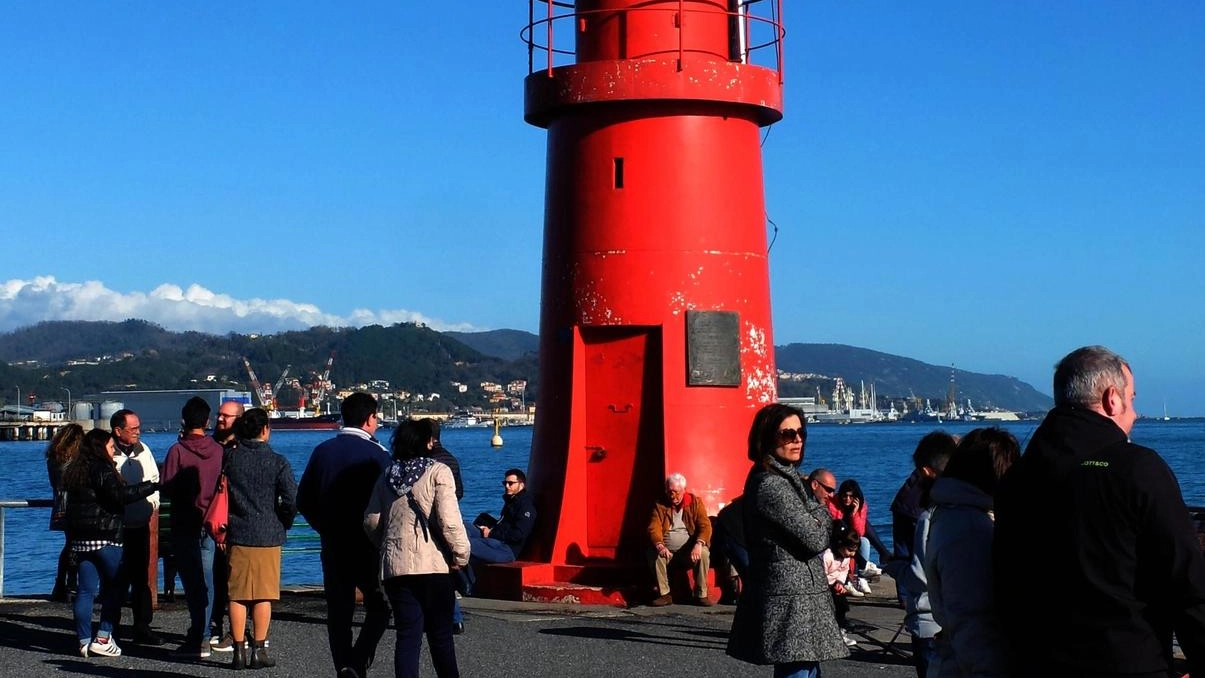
(601, 584)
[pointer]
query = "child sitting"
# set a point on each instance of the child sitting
(838, 562)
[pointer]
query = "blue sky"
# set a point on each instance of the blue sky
(988, 185)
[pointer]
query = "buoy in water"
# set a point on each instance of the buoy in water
(496, 441)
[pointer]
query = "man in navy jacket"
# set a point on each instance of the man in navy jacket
(333, 492)
(503, 541)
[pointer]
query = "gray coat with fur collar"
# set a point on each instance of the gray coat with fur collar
(785, 613)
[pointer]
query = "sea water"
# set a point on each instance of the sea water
(878, 456)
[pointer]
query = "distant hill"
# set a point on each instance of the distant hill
(899, 377)
(894, 376)
(88, 357)
(505, 344)
(63, 340)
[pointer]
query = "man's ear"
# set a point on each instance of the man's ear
(1111, 401)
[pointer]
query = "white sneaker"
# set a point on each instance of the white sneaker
(849, 642)
(871, 569)
(853, 590)
(104, 648)
(862, 586)
(83, 649)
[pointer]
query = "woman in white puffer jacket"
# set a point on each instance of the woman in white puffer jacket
(415, 521)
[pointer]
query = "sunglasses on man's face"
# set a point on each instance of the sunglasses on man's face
(508, 483)
(788, 435)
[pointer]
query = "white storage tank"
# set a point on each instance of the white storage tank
(81, 412)
(107, 409)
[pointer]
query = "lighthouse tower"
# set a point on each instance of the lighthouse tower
(655, 330)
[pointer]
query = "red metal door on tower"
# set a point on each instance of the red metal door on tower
(623, 432)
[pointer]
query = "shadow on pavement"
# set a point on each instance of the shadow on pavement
(595, 633)
(90, 668)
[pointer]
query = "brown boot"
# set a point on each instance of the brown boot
(259, 655)
(239, 661)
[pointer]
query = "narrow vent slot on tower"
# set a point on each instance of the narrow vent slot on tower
(618, 172)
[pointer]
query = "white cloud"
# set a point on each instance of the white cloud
(26, 302)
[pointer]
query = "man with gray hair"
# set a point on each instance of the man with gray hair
(680, 532)
(1108, 515)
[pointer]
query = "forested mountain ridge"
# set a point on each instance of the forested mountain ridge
(135, 354)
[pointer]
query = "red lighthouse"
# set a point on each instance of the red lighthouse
(655, 329)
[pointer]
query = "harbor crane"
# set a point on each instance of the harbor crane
(256, 387)
(279, 383)
(320, 386)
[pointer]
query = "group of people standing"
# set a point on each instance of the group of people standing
(109, 486)
(981, 531)
(389, 521)
(390, 524)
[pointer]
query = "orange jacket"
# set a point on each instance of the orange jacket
(694, 516)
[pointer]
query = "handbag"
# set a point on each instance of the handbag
(218, 513)
(460, 579)
(58, 513)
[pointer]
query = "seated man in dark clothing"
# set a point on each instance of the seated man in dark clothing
(503, 541)
(728, 536)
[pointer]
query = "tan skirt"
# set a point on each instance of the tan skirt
(254, 573)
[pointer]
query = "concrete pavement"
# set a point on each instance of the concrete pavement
(503, 639)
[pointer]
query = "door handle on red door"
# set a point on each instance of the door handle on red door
(620, 410)
(597, 452)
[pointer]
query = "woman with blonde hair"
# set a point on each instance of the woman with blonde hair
(63, 448)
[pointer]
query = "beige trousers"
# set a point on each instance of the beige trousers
(680, 559)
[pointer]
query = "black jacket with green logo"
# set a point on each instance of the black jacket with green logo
(1097, 560)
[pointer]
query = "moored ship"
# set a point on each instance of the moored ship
(322, 422)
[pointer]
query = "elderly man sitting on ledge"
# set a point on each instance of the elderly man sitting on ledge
(680, 531)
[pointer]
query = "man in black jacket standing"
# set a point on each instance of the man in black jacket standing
(1108, 517)
(332, 495)
(444, 456)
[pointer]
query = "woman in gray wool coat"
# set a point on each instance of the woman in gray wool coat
(785, 614)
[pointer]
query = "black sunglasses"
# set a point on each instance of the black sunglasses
(786, 435)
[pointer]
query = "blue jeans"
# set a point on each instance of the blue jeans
(194, 560)
(863, 552)
(797, 670)
(422, 603)
(487, 549)
(99, 572)
(924, 653)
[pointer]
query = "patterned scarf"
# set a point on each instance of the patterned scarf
(402, 475)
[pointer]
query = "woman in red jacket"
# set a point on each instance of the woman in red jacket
(856, 513)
